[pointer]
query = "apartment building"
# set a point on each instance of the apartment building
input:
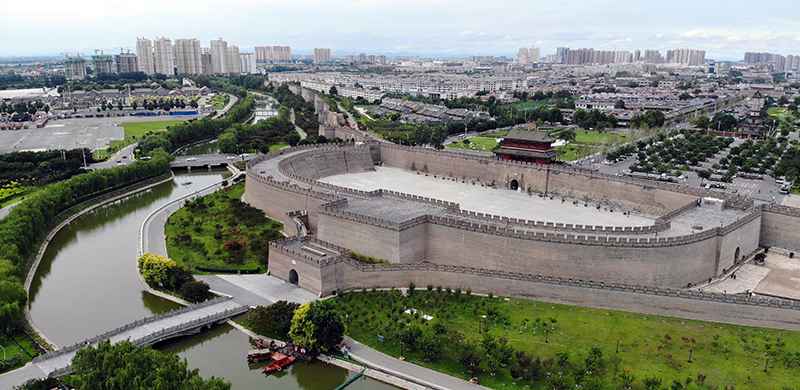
(219, 55)
(163, 57)
(188, 56)
(248, 63)
(233, 61)
(126, 63)
(273, 54)
(322, 56)
(144, 55)
(103, 63)
(688, 57)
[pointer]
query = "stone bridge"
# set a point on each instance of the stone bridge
(207, 160)
(148, 331)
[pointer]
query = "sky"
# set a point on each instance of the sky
(444, 28)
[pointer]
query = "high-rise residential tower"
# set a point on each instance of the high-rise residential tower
(233, 62)
(187, 56)
(126, 63)
(163, 57)
(219, 55)
(322, 56)
(144, 55)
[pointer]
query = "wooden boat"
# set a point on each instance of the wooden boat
(279, 362)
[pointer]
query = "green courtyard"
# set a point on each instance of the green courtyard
(220, 233)
(552, 346)
(134, 131)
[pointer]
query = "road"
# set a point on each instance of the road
(123, 156)
(412, 372)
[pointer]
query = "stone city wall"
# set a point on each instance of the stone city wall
(657, 198)
(341, 274)
(780, 227)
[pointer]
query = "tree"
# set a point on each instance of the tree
(12, 302)
(701, 122)
(619, 104)
(274, 320)
(471, 360)
(155, 269)
(125, 366)
(724, 122)
(195, 291)
(652, 383)
(316, 326)
(333, 91)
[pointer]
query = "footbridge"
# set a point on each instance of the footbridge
(208, 160)
(148, 331)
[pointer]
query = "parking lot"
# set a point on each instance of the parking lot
(92, 133)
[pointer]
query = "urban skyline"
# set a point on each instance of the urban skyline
(379, 26)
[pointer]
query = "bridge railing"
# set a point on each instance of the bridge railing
(126, 327)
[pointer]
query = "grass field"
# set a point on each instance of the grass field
(646, 346)
(134, 131)
(276, 147)
(599, 137)
(219, 233)
(479, 143)
(14, 192)
(219, 101)
(15, 351)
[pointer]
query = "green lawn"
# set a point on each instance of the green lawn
(529, 105)
(279, 146)
(15, 351)
(14, 192)
(134, 131)
(599, 137)
(480, 143)
(572, 152)
(219, 233)
(219, 101)
(645, 346)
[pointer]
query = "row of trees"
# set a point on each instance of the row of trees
(126, 366)
(305, 115)
(162, 104)
(258, 137)
(721, 121)
(594, 119)
(37, 168)
(27, 224)
(196, 130)
(648, 120)
(23, 107)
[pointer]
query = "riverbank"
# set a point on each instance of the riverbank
(68, 216)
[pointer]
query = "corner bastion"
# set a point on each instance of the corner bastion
(381, 203)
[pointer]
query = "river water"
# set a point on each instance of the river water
(87, 284)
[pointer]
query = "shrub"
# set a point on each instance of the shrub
(195, 291)
(156, 269)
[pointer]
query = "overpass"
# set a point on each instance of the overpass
(148, 331)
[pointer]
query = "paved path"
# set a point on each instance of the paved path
(5, 210)
(253, 290)
(421, 375)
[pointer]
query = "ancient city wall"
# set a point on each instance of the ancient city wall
(673, 265)
(340, 274)
(276, 199)
(329, 161)
(780, 227)
(649, 197)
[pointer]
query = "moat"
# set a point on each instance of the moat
(87, 284)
